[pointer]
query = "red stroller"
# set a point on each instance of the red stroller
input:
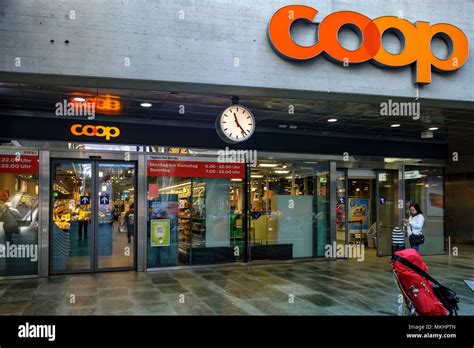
(422, 294)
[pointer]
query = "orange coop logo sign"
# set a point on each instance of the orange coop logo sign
(415, 37)
(95, 131)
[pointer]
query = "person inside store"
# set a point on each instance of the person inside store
(83, 220)
(414, 226)
(10, 223)
(115, 221)
(130, 221)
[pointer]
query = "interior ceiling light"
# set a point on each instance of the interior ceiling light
(146, 105)
(332, 120)
(395, 125)
(267, 165)
(433, 128)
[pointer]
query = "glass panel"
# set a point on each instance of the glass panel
(216, 227)
(204, 217)
(116, 220)
(361, 217)
(387, 210)
(341, 207)
(18, 222)
(71, 238)
(236, 218)
(425, 186)
(168, 221)
(289, 209)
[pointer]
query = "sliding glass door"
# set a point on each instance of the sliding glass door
(92, 216)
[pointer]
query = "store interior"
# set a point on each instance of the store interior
(289, 209)
(205, 217)
(18, 219)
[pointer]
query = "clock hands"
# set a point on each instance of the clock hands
(238, 125)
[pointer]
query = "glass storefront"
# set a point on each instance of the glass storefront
(289, 209)
(19, 211)
(195, 211)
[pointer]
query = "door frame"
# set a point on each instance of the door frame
(396, 198)
(346, 206)
(94, 255)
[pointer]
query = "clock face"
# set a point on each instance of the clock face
(235, 124)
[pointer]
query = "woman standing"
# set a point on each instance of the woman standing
(415, 226)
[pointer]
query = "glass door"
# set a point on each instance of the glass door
(387, 209)
(92, 216)
(71, 235)
(115, 223)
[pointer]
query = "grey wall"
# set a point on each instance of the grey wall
(202, 47)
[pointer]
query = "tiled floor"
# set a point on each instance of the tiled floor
(343, 287)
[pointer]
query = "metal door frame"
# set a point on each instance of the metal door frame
(396, 197)
(346, 205)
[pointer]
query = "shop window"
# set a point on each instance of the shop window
(18, 213)
(194, 220)
(289, 209)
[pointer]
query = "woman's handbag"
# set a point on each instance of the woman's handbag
(416, 239)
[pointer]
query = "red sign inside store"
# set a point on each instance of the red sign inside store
(19, 161)
(197, 168)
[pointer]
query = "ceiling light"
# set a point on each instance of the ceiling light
(267, 165)
(433, 128)
(332, 120)
(426, 135)
(145, 105)
(176, 186)
(281, 171)
(235, 179)
(79, 99)
(395, 125)
(256, 176)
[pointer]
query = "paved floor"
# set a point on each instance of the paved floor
(343, 287)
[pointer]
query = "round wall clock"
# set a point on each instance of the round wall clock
(235, 124)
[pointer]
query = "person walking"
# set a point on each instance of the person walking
(414, 226)
(130, 220)
(83, 221)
